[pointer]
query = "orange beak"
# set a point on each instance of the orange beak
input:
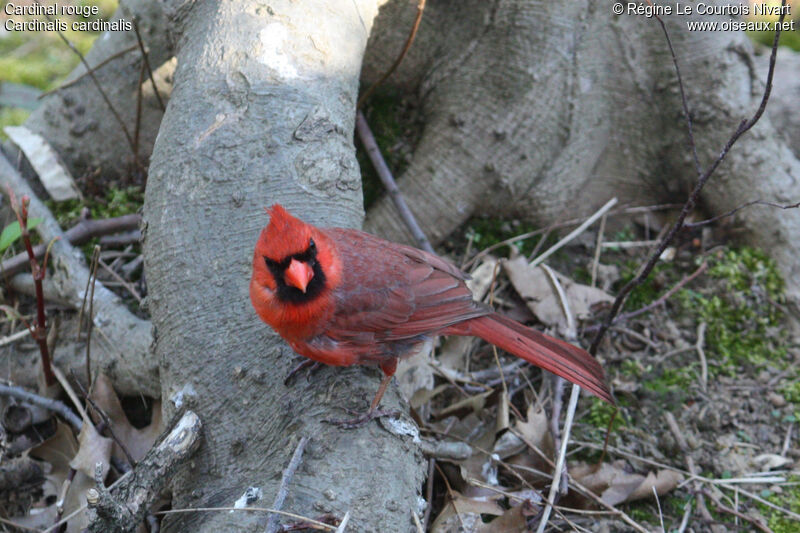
(298, 274)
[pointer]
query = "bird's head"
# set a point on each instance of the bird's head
(287, 259)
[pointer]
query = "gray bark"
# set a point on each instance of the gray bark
(262, 111)
(545, 110)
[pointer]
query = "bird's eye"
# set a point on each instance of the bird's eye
(311, 244)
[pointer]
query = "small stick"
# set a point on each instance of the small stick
(684, 447)
(107, 422)
(122, 282)
(343, 523)
(386, 177)
(90, 325)
(51, 405)
(573, 404)
(660, 301)
(701, 340)
(429, 493)
(734, 512)
(39, 330)
(90, 72)
(597, 249)
(684, 102)
(574, 233)
(95, 68)
(147, 64)
(688, 207)
(283, 490)
(79, 234)
(660, 513)
(736, 209)
(317, 523)
(409, 41)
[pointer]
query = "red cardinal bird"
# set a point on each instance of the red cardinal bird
(344, 297)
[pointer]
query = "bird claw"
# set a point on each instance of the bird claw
(305, 363)
(361, 419)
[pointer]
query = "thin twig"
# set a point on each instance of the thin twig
(90, 72)
(95, 68)
(734, 512)
(107, 422)
(701, 353)
(138, 120)
(684, 447)
(698, 167)
(564, 224)
(386, 177)
(79, 234)
(661, 300)
(409, 41)
(286, 479)
(739, 208)
(688, 207)
(574, 233)
(39, 331)
(573, 404)
(47, 403)
(429, 493)
(320, 525)
(122, 281)
(90, 325)
(598, 249)
(147, 64)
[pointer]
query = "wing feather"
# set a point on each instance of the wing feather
(395, 293)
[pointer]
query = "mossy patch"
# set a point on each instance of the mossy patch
(741, 310)
(789, 499)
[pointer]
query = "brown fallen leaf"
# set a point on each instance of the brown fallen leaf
(465, 511)
(58, 451)
(535, 287)
(137, 441)
(615, 484)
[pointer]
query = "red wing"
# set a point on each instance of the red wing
(392, 293)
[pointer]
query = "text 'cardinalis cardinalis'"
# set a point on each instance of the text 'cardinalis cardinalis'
(344, 297)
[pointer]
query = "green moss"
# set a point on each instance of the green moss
(670, 382)
(662, 276)
(11, 116)
(600, 414)
(788, 499)
(743, 326)
(117, 202)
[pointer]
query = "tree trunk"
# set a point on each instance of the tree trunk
(544, 111)
(262, 111)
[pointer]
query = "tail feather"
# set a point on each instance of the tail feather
(559, 357)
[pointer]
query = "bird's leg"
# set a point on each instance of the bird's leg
(388, 368)
(305, 363)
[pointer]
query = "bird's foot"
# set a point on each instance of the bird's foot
(305, 363)
(361, 419)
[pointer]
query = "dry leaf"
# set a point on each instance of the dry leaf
(137, 441)
(513, 520)
(463, 514)
(58, 451)
(535, 287)
(616, 485)
(454, 354)
(415, 373)
(93, 448)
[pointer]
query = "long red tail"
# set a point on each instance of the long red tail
(559, 357)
